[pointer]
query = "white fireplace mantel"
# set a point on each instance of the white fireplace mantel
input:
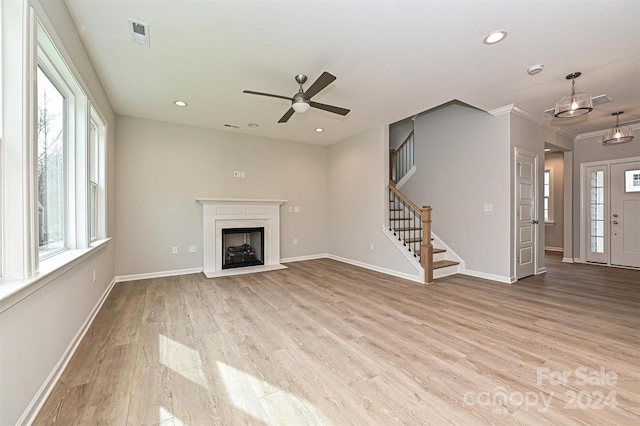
(225, 213)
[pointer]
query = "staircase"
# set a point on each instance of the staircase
(410, 224)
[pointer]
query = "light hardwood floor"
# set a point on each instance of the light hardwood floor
(328, 343)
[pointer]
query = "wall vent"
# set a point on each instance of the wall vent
(139, 32)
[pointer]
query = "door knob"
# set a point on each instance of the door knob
(615, 222)
(535, 222)
(615, 215)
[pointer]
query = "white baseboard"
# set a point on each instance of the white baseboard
(567, 259)
(486, 276)
(558, 249)
(302, 258)
(403, 275)
(45, 390)
(542, 270)
(135, 277)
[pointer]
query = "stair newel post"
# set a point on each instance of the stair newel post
(392, 165)
(426, 250)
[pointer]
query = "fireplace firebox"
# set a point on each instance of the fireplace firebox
(242, 247)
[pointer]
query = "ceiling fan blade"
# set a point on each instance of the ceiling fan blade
(251, 92)
(287, 115)
(323, 81)
(330, 108)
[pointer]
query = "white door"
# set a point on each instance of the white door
(526, 217)
(625, 214)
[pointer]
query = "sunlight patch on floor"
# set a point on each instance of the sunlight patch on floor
(166, 416)
(278, 407)
(183, 360)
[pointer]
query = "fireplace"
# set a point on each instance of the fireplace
(221, 218)
(242, 247)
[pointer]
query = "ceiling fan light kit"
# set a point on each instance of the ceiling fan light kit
(618, 134)
(301, 101)
(574, 104)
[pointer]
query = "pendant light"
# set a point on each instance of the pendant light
(619, 134)
(574, 104)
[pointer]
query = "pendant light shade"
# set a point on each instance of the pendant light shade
(574, 104)
(618, 134)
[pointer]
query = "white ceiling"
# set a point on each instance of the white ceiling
(392, 59)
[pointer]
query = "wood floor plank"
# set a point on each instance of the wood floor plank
(323, 342)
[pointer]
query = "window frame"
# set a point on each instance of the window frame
(547, 200)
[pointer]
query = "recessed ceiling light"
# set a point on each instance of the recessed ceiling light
(495, 37)
(319, 129)
(180, 103)
(547, 149)
(253, 125)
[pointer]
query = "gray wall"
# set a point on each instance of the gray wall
(399, 131)
(358, 170)
(37, 331)
(589, 148)
(462, 158)
(554, 232)
(162, 168)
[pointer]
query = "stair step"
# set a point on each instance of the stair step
(407, 229)
(444, 263)
(400, 218)
(435, 251)
(413, 240)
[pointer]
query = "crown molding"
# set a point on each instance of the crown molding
(600, 133)
(541, 121)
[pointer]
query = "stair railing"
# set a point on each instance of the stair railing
(401, 159)
(412, 226)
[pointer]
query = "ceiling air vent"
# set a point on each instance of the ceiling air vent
(139, 32)
(597, 100)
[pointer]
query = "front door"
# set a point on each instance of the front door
(625, 214)
(526, 217)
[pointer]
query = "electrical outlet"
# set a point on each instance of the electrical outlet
(296, 209)
(290, 209)
(236, 173)
(295, 241)
(94, 275)
(242, 175)
(192, 249)
(174, 250)
(488, 207)
(371, 246)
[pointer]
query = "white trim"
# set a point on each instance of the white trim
(598, 133)
(558, 249)
(245, 270)
(537, 119)
(567, 260)
(13, 291)
(159, 274)
(542, 270)
(450, 254)
(378, 269)
(303, 258)
(34, 407)
(486, 276)
(406, 177)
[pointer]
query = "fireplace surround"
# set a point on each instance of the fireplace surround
(220, 214)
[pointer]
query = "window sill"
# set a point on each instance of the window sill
(13, 291)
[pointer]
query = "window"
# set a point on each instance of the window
(632, 181)
(51, 167)
(548, 200)
(597, 224)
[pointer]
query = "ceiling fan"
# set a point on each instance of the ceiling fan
(301, 101)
